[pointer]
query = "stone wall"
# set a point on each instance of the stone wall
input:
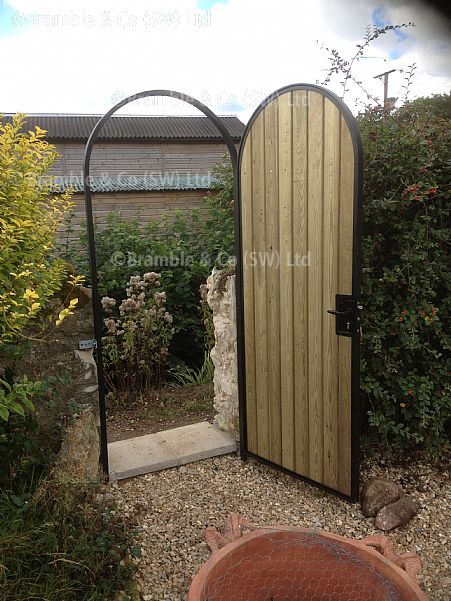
(71, 399)
(221, 299)
(57, 355)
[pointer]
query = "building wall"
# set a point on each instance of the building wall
(145, 206)
(113, 159)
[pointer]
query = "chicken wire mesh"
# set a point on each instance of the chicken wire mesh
(288, 566)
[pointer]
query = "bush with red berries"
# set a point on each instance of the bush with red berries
(406, 290)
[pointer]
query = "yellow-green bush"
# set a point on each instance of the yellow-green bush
(30, 215)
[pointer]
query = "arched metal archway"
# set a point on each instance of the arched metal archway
(97, 309)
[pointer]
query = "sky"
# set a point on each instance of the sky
(83, 56)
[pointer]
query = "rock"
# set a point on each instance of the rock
(377, 493)
(221, 299)
(79, 454)
(396, 514)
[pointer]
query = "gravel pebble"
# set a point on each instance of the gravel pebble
(171, 509)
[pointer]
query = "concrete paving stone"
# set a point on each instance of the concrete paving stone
(170, 448)
(140, 455)
(198, 441)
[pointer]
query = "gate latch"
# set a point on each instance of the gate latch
(347, 309)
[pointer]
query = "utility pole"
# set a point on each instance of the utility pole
(385, 76)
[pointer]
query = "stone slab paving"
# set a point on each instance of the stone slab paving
(170, 448)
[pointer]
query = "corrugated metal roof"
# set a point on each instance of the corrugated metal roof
(133, 127)
(136, 183)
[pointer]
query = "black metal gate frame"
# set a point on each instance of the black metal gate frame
(356, 270)
(96, 304)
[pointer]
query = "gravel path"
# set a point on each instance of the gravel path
(172, 508)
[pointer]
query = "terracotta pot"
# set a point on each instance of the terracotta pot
(284, 563)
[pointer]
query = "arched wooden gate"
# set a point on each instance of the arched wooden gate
(299, 270)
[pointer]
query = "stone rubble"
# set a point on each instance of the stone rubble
(385, 500)
(396, 514)
(221, 299)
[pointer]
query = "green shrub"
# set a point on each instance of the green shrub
(59, 540)
(60, 543)
(183, 248)
(189, 376)
(29, 219)
(406, 287)
(30, 215)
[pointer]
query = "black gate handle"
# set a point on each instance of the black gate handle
(347, 321)
(335, 312)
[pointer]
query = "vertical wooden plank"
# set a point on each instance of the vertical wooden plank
(286, 278)
(259, 247)
(315, 235)
(272, 279)
(330, 288)
(300, 281)
(345, 287)
(248, 295)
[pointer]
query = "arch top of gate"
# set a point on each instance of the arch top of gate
(151, 93)
(312, 88)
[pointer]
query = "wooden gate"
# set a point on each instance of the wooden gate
(298, 221)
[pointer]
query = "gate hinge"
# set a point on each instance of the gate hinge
(84, 345)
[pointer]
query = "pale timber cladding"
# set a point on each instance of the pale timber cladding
(193, 161)
(297, 190)
(140, 158)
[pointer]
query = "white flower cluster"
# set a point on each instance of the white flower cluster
(142, 303)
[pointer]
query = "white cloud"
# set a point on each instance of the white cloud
(82, 58)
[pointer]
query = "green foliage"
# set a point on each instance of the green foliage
(58, 543)
(219, 231)
(190, 376)
(17, 397)
(436, 106)
(32, 438)
(183, 248)
(58, 540)
(135, 346)
(29, 219)
(406, 363)
(22, 451)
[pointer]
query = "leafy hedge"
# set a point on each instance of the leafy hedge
(183, 248)
(406, 364)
